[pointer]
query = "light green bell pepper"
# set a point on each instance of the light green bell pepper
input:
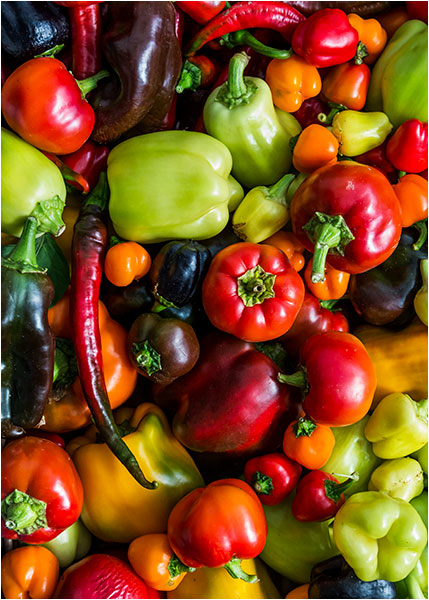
(401, 478)
(71, 545)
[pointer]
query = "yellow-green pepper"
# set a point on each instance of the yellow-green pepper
(170, 185)
(358, 132)
(421, 298)
(422, 456)
(398, 426)
(379, 536)
(401, 478)
(71, 545)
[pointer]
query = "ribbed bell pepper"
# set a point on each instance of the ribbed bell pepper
(400, 478)
(125, 510)
(379, 536)
(398, 83)
(170, 185)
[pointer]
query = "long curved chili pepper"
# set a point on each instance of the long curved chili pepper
(244, 15)
(88, 250)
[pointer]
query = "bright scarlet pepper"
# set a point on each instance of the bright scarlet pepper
(46, 106)
(41, 491)
(407, 149)
(29, 572)
(309, 443)
(319, 496)
(337, 378)
(326, 38)
(412, 192)
(334, 285)
(218, 526)
(316, 147)
(252, 291)
(272, 476)
(347, 84)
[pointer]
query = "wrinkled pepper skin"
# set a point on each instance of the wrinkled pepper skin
(165, 165)
(204, 421)
(140, 45)
(123, 516)
(398, 85)
(379, 536)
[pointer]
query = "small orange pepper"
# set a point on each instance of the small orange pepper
(292, 81)
(287, 242)
(392, 19)
(316, 147)
(308, 443)
(371, 34)
(29, 572)
(412, 193)
(347, 84)
(126, 262)
(332, 288)
(154, 561)
(299, 592)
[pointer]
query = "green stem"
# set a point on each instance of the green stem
(278, 191)
(298, 379)
(255, 286)
(23, 513)
(304, 426)
(335, 109)
(146, 357)
(51, 52)
(236, 90)
(23, 256)
(334, 490)
(361, 53)
(176, 567)
(99, 196)
(190, 77)
(421, 226)
(245, 38)
(90, 83)
(235, 570)
(329, 304)
(262, 484)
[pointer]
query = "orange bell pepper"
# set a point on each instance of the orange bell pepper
(316, 147)
(334, 285)
(308, 443)
(125, 262)
(288, 243)
(412, 192)
(66, 409)
(371, 34)
(347, 84)
(29, 572)
(292, 81)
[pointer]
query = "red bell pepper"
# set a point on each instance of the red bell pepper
(377, 158)
(41, 491)
(231, 402)
(89, 161)
(319, 496)
(326, 38)
(46, 106)
(312, 318)
(201, 11)
(337, 378)
(218, 526)
(347, 214)
(272, 476)
(347, 84)
(252, 291)
(407, 149)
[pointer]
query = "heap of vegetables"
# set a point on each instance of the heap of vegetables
(214, 299)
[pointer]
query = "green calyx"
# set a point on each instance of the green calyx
(236, 91)
(51, 52)
(245, 38)
(422, 409)
(334, 490)
(65, 364)
(146, 357)
(90, 83)
(298, 379)
(234, 569)
(335, 109)
(255, 286)
(23, 256)
(328, 233)
(125, 428)
(23, 513)
(49, 216)
(421, 227)
(304, 426)
(176, 567)
(190, 78)
(361, 53)
(165, 303)
(262, 484)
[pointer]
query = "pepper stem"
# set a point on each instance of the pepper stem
(176, 567)
(146, 357)
(361, 53)
(90, 83)
(298, 379)
(335, 109)
(23, 513)
(304, 426)
(278, 191)
(236, 90)
(190, 77)
(100, 194)
(423, 234)
(51, 52)
(329, 304)
(422, 409)
(23, 256)
(255, 286)
(245, 38)
(261, 483)
(334, 490)
(234, 569)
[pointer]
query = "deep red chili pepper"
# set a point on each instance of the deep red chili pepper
(201, 11)
(377, 158)
(310, 110)
(243, 15)
(272, 476)
(407, 149)
(319, 496)
(89, 161)
(85, 23)
(88, 250)
(73, 177)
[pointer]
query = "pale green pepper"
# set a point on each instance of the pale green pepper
(31, 185)
(71, 545)
(398, 426)
(379, 536)
(358, 132)
(170, 185)
(401, 478)
(421, 298)
(422, 456)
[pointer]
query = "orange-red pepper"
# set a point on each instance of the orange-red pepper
(316, 147)
(334, 285)
(286, 241)
(126, 262)
(347, 84)
(308, 443)
(412, 192)
(292, 81)
(29, 572)
(371, 34)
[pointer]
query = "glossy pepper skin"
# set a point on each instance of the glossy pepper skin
(124, 515)
(377, 158)
(71, 545)
(29, 572)
(308, 443)
(332, 288)
(272, 476)
(400, 478)
(371, 34)
(318, 497)
(125, 262)
(347, 84)
(263, 407)
(202, 12)
(218, 526)
(412, 192)
(326, 38)
(316, 147)
(89, 161)
(291, 82)
(359, 132)
(358, 194)
(407, 149)
(140, 45)
(41, 491)
(27, 341)
(371, 527)
(287, 243)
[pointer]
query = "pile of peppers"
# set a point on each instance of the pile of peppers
(214, 299)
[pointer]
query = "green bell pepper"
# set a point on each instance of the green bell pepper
(358, 132)
(401, 478)
(352, 453)
(294, 547)
(241, 114)
(422, 456)
(31, 185)
(399, 80)
(379, 536)
(170, 185)
(71, 545)
(398, 426)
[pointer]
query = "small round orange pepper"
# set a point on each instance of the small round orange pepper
(332, 288)
(292, 81)
(308, 443)
(126, 262)
(412, 193)
(287, 242)
(316, 147)
(371, 34)
(154, 561)
(29, 572)
(299, 592)
(347, 84)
